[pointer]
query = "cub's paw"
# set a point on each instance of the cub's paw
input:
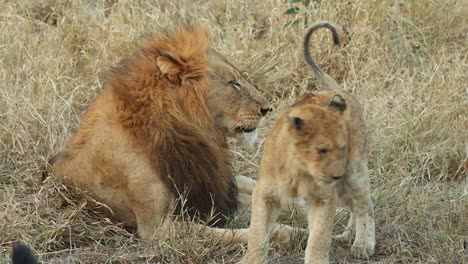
(362, 250)
(253, 259)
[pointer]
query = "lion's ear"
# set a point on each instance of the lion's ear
(168, 65)
(338, 103)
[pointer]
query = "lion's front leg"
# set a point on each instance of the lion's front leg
(320, 218)
(151, 204)
(244, 207)
(227, 236)
(245, 185)
(348, 233)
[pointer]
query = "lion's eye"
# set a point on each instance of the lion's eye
(323, 151)
(235, 84)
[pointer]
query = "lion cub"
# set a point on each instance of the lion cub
(317, 151)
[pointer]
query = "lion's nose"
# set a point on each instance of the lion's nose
(265, 111)
(337, 177)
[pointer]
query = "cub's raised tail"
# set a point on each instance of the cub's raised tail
(325, 79)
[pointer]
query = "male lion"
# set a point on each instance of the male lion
(159, 129)
(316, 150)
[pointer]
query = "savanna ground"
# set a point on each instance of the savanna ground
(406, 61)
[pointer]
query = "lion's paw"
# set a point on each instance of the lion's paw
(345, 236)
(284, 237)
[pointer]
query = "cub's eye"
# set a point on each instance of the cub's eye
(235, 84)
(323, 152)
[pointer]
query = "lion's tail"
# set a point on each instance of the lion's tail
(327, 81)
(22, 254)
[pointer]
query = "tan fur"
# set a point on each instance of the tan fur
(159, 129)
(316, 150)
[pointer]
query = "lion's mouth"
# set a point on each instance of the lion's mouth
(240, 129)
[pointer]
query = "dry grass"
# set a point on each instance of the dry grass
(405, 60)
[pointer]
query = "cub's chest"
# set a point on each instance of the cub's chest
(299, 185)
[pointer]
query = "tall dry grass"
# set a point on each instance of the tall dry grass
(406, 61)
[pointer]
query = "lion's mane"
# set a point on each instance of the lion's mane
(161, 93)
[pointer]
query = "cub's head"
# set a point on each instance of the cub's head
(238, 106)
(319, 137)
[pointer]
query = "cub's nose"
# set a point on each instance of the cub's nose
(264, 111)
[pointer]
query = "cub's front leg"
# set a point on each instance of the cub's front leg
(363, 211)
(265, 211)
(320, 219)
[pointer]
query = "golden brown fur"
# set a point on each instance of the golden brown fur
(316, 150)
(156, 137)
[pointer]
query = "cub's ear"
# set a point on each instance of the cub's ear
(168, 65)
(338, 103)
(296, 122)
